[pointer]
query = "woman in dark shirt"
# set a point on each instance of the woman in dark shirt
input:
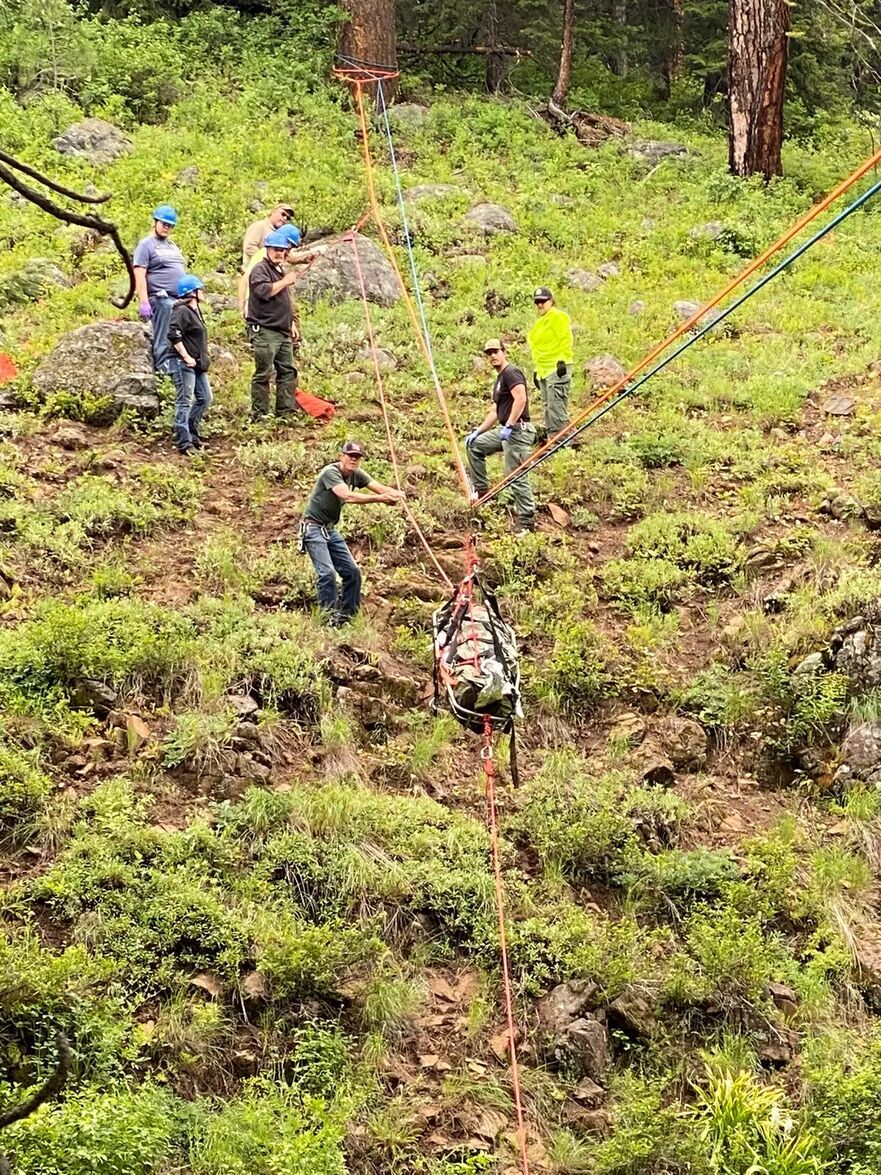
(188, 339)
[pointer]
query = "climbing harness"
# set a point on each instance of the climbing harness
(624, 387)
(475, 661)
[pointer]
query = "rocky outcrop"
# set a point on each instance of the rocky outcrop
(491, 219)
(334, 275)
(686, 310)
(583, 279)
(103, 359)
(685, 742)
(93, 139)
(431, 192)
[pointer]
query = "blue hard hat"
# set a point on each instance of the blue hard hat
(166, 214)
(293, 234)
(188, 284)
(278, 239)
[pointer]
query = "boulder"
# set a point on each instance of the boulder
(586, 1121)
(381, 357)
(654, 765)
(687, 310)
(840, 406)
(491, 219)
(89, 694)
(431, 192)
(223, 362)
(334, 276)
(862, 746)
(45, 273)
(33, 281)
(589, 1093)
(582, 1048)
(629, 729)
(604, 371)
(635, 308)
(565, 1003)
(188, 175)
(221, 303)
(94, 140)
(632, 1014)
(809, 665)
(70, 436)
(711, 231)
(561, 201)
(583, 279)
(608, 269)
(685, 742)
(652, 151)
(859, 657)
(103, 359)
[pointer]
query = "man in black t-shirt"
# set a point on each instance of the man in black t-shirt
(270, 319)
(337, 484)
(505, 429)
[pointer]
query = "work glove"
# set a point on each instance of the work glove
(472, 437)
(505, 433)
(145, 310)
(561, 369)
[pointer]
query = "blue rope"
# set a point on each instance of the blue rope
(784, 264)
(417, 290)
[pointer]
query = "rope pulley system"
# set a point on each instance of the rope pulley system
(475, 650)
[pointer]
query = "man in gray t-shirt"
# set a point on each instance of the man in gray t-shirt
(337, 484)
(159, 266)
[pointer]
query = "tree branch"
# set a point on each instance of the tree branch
(104, 227)
(43, 179)
(483, 50)
(53, 1085)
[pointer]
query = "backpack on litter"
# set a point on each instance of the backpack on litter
(475, 661)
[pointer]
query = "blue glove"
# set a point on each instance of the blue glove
(472, 437)
(505, 433)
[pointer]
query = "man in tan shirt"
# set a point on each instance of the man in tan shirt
(258, 231)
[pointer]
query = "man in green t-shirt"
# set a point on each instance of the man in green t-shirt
(337, 484)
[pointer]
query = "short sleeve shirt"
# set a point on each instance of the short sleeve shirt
(163, 262)
(503, 397)
(324, 507)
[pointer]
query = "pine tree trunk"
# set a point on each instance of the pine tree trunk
(757, 55)
(494, 73)
(369, 35)
(561, 89)
(620, 61)
(676, 44)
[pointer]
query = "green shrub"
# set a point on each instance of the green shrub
(639, 582)
(575, 823)
(694, 542)
(682, 878)
(24, 790)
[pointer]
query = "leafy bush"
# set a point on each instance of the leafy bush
(24, 790)
(694, 542)
(636, 583)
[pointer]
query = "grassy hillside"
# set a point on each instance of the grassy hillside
(256, 891)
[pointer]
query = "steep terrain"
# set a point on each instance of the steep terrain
(245, 868)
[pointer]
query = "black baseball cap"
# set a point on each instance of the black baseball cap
(542, 294)
(353, 449)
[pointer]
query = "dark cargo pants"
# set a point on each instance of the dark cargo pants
(273, 351)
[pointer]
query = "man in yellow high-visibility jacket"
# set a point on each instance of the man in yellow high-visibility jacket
(550, 342)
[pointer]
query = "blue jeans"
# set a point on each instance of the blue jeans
(331, 557)
(162, 352)
(190, 403)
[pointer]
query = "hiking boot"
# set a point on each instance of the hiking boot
(524, 526)
(189, 451)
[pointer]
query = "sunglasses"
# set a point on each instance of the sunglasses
(286, 214)
(493, 351)
(541, 301)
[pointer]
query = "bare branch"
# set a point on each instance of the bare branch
(44, 179)
(104, 227)
(52, 1086)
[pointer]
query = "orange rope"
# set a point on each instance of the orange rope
(759, 261)
(492, 823)
(408, 301)
(385, 416)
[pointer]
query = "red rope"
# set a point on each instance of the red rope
(492, 823)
